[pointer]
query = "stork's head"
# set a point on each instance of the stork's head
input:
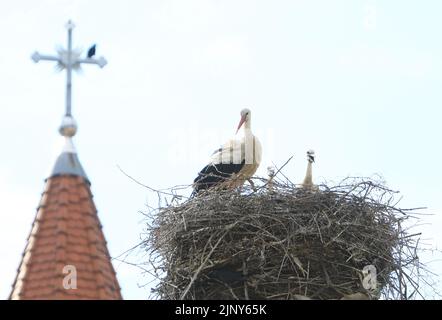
(245, 118)
(311, 156)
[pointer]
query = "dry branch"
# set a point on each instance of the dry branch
(284, 242)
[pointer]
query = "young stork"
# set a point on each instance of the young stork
(234, 163)
(308, 180)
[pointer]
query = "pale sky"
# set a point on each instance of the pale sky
(357, 81)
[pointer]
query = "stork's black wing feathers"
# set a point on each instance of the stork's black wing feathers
(214, 174)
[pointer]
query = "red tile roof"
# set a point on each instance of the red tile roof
(66, 232)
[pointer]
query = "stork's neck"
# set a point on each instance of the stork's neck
(308, 180)
(248, 123)
(248, 127)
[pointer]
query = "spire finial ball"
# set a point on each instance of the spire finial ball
(68, 127)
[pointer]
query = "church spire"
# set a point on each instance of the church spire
(66, 255)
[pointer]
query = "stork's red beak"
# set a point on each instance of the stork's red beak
(241, 122)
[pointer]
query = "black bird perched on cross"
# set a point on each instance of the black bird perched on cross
(91, 51)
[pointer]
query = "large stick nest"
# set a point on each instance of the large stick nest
(280, 241)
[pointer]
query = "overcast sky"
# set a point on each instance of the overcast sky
(357, 81)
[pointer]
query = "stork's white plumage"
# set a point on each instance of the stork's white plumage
(235, 162)
(308, 180)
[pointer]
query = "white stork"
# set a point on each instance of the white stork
(308, 180)
(235, 162)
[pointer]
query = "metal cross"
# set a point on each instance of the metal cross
(70, 60)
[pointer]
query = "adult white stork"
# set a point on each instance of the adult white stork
(308, 180)
(235, 162)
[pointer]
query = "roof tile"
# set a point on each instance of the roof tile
(66, 232)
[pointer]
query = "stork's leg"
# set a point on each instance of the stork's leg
(252, 184)
(240, 187)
